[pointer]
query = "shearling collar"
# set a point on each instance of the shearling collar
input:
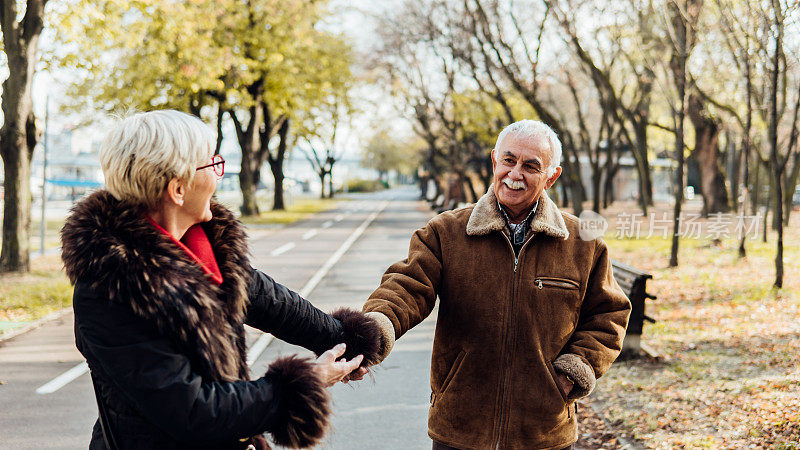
(486, 217)
(110, 245)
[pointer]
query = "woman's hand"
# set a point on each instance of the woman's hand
(332, 371)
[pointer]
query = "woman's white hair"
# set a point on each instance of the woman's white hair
(533, 129)
(144, 151)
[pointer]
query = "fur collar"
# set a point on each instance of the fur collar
(111, 245)
(486, 217)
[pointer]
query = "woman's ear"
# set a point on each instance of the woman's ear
(176, 191)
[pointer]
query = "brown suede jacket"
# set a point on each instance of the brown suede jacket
(506, 325)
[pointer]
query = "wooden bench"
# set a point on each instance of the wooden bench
(634, 283)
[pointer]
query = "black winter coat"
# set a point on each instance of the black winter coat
(167, 348)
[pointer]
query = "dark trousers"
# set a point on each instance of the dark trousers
(438, 446)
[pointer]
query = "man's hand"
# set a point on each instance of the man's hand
(332, 371)
(564, 384)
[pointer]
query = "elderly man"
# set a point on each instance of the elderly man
(529, 315)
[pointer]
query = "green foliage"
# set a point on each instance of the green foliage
(149, 54)
(142, 54)
(384, 152)
(358, 185)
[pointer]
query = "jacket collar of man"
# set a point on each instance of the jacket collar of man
(486, 217)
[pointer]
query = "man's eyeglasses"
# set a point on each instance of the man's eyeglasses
(217, 163)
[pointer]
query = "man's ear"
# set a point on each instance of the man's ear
(494, 161)
(175, 191)
(553, 178)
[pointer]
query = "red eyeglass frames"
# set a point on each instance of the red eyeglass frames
(218, 163)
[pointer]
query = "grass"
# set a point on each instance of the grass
(298, 210)
(52, 235)
(30, 296)
(729, 376)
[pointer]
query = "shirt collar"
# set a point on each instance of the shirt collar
(527, 220)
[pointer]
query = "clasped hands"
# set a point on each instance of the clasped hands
(332, 368)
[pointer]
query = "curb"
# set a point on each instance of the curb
(34, 325)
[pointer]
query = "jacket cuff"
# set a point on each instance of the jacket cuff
(303, 403)
(387, 333)
(581, 373)
(362, 334)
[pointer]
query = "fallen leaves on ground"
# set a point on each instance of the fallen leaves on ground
(730, 376)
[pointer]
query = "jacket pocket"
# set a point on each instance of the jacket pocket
(552, 371)
(453, 369)
(560, 283)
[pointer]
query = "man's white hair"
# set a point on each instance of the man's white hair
(144, 151)
(533, 129)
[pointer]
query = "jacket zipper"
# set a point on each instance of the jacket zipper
(542, 282)
(508, 338)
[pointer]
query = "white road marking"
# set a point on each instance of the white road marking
(282, 249)
(259, 346)
(312, 283)
(63, 379)
(327, 224)
(309, 234)
(339, 217)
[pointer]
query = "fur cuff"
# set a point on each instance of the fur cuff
(361, 334)
(580, 372)
(303, 403)
(387, 333)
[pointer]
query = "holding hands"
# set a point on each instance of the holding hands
(331, 369)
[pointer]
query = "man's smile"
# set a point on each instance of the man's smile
(516, 185)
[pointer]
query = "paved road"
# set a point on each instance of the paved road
(388, 411)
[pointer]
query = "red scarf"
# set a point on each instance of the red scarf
(196, 244)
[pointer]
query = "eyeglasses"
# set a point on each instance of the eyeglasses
(217, 163)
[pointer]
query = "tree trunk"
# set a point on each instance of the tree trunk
(250, 145)
(276, 166)
(707, 155)
(16, 207)
(767, 208)
(643, 166)
(250, 172)
(779, 220)
(564, 188)
(597, 175)
(220, 116)
(746, 193)
(680, 54)
(734, 156)
(789, 187)
(248, 183)
(330, 183)
(470, 187)
(609, 196)
(746, 143)
(321, 176)
(756, 168)
(572, 176)
(277, 197)
(18, 135)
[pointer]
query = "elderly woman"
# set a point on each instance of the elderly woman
(163, 288)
